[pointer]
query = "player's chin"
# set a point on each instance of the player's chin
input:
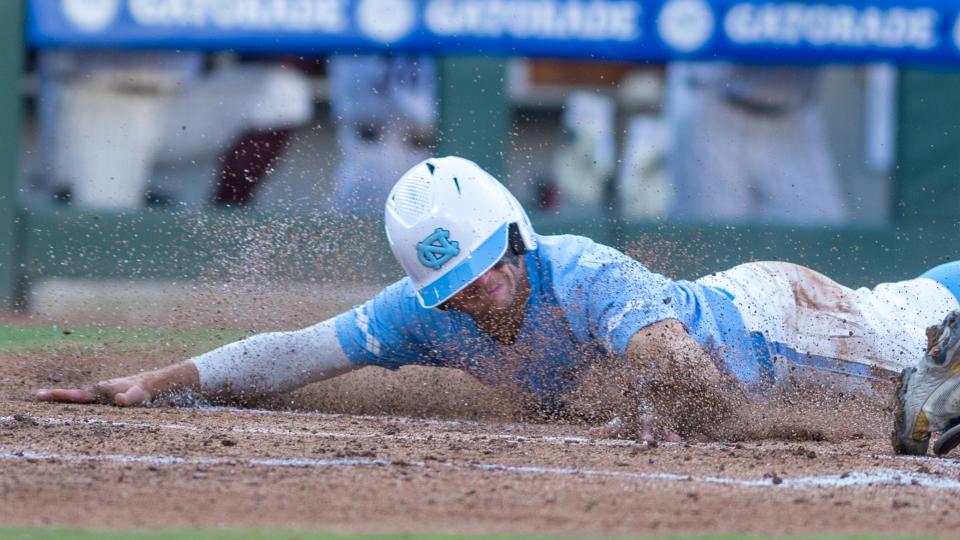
(502, 301)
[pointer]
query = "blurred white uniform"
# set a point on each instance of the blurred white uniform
(386, 111)
(750, 145)
(101, 118)
(584, 165)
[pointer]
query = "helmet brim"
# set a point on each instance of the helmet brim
(466, 271)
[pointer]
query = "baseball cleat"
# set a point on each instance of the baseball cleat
(928, 394)
(949, 439)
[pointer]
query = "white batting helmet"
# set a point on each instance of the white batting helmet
(448, 222)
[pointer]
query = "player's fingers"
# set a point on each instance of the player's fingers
(650, 433)
(133, 395)
(75, 395)
(652, 436)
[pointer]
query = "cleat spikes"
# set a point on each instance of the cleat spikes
(948, 440)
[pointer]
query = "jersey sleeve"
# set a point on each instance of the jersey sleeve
(614, 296)
(387, 331)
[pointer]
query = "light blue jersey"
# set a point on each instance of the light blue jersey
(586, 302)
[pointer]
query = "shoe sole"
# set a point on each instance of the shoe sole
(949, 439)
(905, 444)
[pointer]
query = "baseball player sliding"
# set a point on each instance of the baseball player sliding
(484, 293)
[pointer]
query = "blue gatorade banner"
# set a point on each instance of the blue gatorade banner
(773, 31)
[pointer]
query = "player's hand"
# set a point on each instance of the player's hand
(124, 392)
(649, 432)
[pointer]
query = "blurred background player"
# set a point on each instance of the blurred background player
(584, 162)
(385, 112)
(242, 134)
(108, 120)
(750, 145)
(101, 121)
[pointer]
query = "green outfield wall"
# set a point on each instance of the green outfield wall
(474, 110)
(11, 61)
(927, 187)
(262, 246)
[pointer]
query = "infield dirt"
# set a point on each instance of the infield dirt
(429, 449)
(104, 467)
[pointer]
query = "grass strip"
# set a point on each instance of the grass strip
(106, 339)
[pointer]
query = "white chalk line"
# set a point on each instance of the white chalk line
(334, 434)
(570, 439)
(315, 414)
(880, 477)
(177, 460)
(522, 429)
(940, 463)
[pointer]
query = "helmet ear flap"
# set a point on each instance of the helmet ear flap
(517, 245)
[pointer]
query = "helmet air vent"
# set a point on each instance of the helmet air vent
(413, 198)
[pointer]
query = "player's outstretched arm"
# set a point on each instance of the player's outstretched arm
(264, 364)
(678, 383)
(132, 390)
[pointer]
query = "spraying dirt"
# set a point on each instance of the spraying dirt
(431, 449)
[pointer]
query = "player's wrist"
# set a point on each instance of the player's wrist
(182, 377)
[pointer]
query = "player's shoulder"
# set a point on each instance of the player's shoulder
(399, 299)
(568, 251)
(570, 263)
(402, 289)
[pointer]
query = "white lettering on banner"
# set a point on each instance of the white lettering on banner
(540, 19)
(956, 33)
(386, 20)
(832, 25)
(90, 15)
(686, 25)
(295, 15)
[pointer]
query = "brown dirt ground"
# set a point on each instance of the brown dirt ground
(104, 467)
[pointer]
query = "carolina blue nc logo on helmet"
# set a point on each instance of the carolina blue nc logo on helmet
(435, 250)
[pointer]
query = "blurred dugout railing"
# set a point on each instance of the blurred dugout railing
(36, 244)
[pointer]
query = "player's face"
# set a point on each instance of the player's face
(496, 290)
